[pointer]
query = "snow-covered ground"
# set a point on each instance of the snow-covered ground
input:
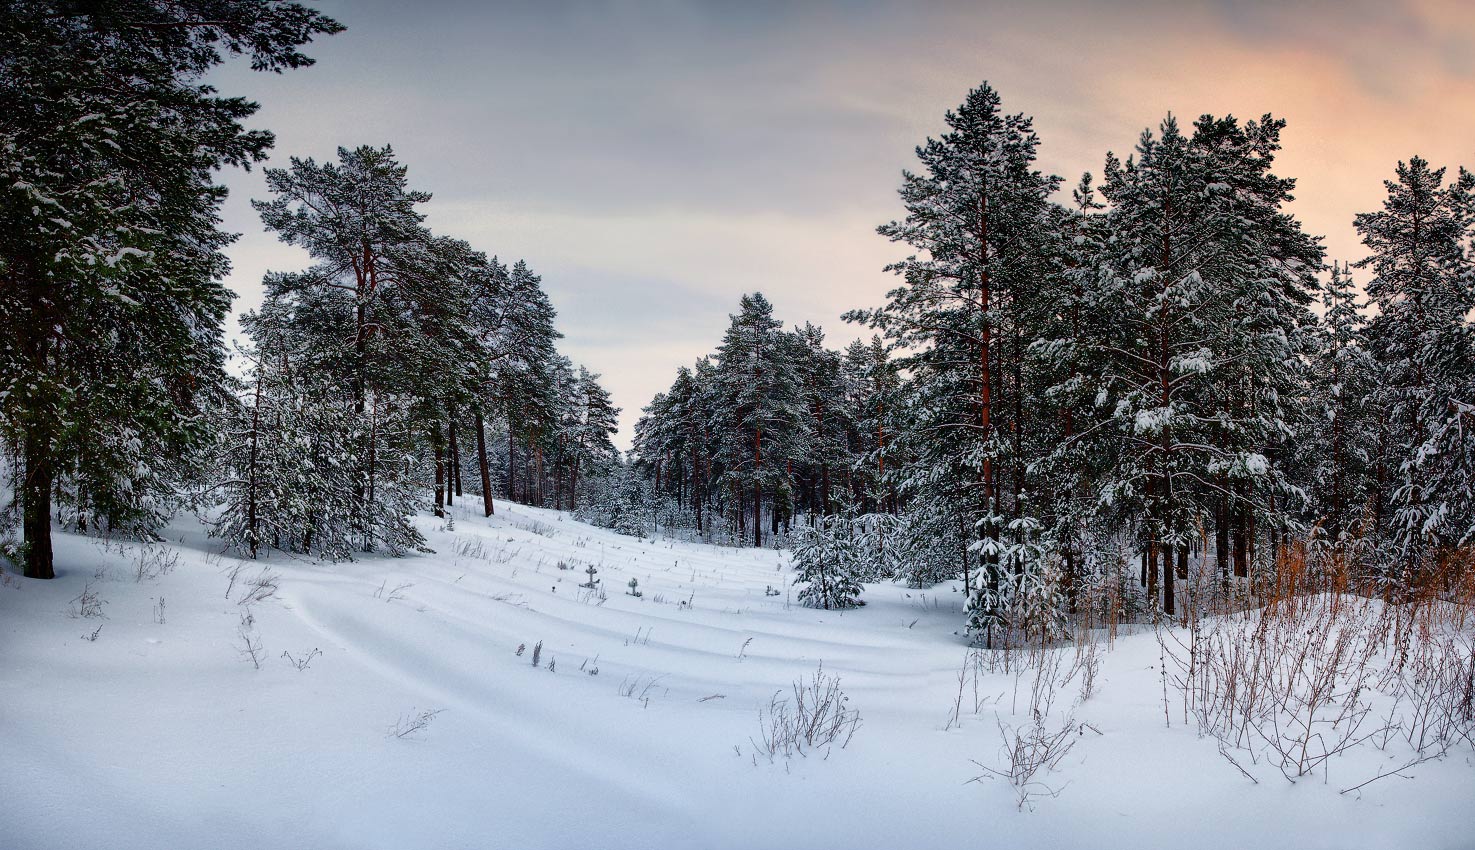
(166, 734)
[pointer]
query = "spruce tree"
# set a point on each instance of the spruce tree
(827, 562)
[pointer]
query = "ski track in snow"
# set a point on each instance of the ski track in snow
(163, 735)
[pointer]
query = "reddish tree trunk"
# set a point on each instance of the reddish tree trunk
(481, 460)
(440, 469)
(985, 401)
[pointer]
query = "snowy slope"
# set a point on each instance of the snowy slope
(163, 735)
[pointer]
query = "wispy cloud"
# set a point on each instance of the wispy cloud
(655, 160)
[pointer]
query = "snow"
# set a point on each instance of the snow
(1152, 420)
(114, 292)
(163, 735)
(117, 256)
(1200, 362)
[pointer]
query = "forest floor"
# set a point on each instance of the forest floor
(638, 728)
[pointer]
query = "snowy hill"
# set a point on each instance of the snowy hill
(636, 728)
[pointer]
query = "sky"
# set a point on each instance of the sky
(653, 161)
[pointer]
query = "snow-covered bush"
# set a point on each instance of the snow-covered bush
(291, 474)
(1022, 592)
(619, 502)
(829, 565)
(928, 546)
(878, 539)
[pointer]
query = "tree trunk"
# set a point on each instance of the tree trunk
(360, 394)
(36, 494)
(455, 457)
(440, 469)
(967, 584)
(451, 464)
(985, 400)
(481, 460)
(1017, 426)
(1241, 546)
(511, 464)
(1152, 564)
(1221, 537)
(373, 476)
(757, 487)
(251, 470)
(1169, 578)
(757, 513)
(542, 494)
(696, 488)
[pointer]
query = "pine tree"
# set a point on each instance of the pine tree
(1195, 334)
(1424, 289)
(824, 399)
(1337, 443)
(586, 420)
(521, 382)
(672, 446)
(763, 425)
(357, 220)
(252, 453)
(289, 460)
(978, 214)
(1027, 598)
(1065, 467)
(873, 399)
(111, 304)
(407, 327)
(512, 321)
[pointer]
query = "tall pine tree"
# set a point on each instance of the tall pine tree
(111, 304)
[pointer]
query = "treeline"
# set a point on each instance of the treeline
(399, 371)
(1164, 369)
(382, 372)
(772, 426)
